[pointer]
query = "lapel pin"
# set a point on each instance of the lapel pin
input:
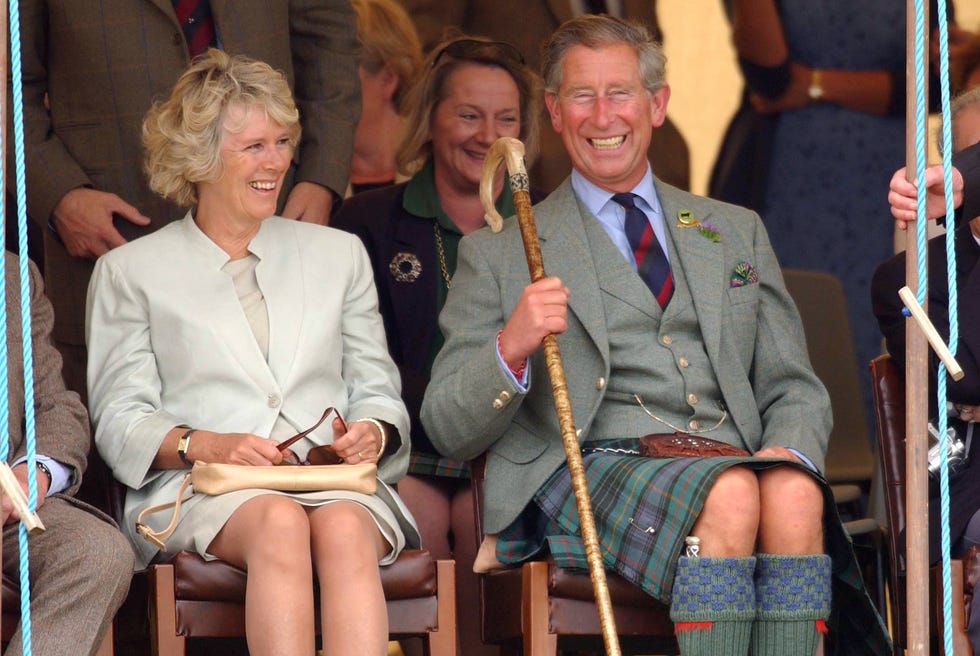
(686, 219)
(405, 267)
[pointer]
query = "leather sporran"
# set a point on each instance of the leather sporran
(683, 445)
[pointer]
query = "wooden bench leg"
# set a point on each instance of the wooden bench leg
(538, 640)
(164, 640)
(442, 641)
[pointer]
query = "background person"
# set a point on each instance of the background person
(472, 92)
(80, 567)
(227, 331)
(964, 502)
(391, 58)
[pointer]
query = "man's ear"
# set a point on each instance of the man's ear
(658, 105)
(554, 111)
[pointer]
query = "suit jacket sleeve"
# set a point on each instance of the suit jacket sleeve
(323, 39)
(51, 170)
(968, 162)
(61, 423)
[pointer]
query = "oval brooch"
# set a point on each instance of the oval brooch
(405, 267)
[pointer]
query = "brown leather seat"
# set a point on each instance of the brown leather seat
(537, 607)
(889, 406)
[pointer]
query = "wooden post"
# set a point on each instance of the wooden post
(916, 396)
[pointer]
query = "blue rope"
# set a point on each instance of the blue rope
(25, 315)
(920, 157)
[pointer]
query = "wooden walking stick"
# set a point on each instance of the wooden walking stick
(511, 151)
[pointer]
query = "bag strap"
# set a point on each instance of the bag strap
(157, 537)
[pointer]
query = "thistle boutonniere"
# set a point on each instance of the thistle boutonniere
(709, 232)
(686, 219)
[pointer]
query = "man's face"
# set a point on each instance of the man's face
(605, 115)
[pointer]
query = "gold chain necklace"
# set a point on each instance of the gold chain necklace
(441, 252)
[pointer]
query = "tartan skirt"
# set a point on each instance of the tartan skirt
(644, 508)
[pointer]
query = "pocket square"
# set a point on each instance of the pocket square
(744, 274)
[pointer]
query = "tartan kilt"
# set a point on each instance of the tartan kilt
(641, 534)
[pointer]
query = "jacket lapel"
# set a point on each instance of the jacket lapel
(565, 252)
(703, 264)
(284, 286)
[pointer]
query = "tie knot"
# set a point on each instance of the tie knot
(626, 200)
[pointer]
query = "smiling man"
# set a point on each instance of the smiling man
(673, 318)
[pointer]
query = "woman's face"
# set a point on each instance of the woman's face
(255, 154)
(481, 104)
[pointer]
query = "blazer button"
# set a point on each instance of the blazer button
(692, 398)
(666, 339)
(504, 395)
(497, 404)
(694, 424)
(600, 382)
(273, 400)
(578, 432)
(683, 363)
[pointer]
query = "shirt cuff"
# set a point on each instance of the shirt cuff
(61, 475)
(806, 461)
(520, 384)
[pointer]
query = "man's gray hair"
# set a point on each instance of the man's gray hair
(599, 31)
(966, 99)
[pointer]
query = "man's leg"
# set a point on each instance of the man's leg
(793, 577)
(713, 599)
(80, 569)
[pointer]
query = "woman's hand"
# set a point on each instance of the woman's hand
(234, 449)
(361, 442)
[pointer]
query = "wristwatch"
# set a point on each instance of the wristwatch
(182, 445)
(815, 90)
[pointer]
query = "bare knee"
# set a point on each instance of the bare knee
(729, 520)
(270, 530)
(792, 512)
(344, 531)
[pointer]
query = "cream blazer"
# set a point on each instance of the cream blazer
(169, 344)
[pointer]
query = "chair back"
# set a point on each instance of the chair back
(820, 299)
(888, 391)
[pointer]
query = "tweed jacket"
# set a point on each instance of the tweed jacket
(61, 423)
(527, 24)
(752, 335)
(91, 71)
(169, 344)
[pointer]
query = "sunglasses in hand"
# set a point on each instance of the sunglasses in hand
(320, 455)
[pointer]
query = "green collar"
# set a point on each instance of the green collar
(422, 200)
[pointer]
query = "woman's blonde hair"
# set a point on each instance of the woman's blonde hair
(415, 146)
(182, 135)
(388, 37)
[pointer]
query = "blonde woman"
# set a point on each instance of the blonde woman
(220, 335)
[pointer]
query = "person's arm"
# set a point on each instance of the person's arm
(60, 420)
(323, 40)
(60, 195)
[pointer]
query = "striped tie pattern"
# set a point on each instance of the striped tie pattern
(195, 20)
(651, 262)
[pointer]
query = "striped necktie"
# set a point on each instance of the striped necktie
(195, 20)
(651, 262)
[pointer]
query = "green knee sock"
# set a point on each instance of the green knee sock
(793, 602)
(713, 605)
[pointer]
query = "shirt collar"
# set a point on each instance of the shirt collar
(595, 197)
